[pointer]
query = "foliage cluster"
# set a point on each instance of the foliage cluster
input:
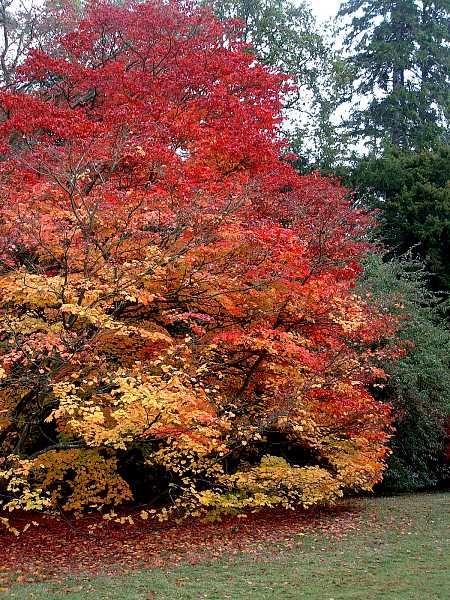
(418, 386)
(286, 36)
(411, 192)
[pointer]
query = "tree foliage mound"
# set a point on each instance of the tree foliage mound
(418, 387)
(179, 323)
(412, 194)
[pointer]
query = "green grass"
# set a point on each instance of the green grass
(399, 550)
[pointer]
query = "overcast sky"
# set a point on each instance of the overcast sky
(325, 9)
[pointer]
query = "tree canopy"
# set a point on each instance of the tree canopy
(179, 322)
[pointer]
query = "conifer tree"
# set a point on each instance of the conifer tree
(401, 56)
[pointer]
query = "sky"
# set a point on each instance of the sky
(324, 9)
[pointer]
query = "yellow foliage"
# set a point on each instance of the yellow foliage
(78, 478)
(271, 483)
(137, 407)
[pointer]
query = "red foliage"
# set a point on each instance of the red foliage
(58, 549)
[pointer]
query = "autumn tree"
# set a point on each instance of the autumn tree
(178, 322)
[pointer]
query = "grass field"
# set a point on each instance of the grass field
(398, 549)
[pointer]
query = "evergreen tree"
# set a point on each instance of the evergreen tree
(400, 53)
(411, 192)
(418, 386)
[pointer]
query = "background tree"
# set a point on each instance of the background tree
(419, 382)
(20, 28)
(400, 53)
(285, 36)
(412, 193)
(27, 25)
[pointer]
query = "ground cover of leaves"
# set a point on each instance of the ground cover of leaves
(373, 548)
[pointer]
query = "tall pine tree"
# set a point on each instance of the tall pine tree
(400, 52)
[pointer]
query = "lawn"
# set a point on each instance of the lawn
(396, 548)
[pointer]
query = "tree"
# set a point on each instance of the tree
(400, 53)
(28, 25)
(285, 36)
(179, 323)
(419, 382)
(19, 30)
(412, 193)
